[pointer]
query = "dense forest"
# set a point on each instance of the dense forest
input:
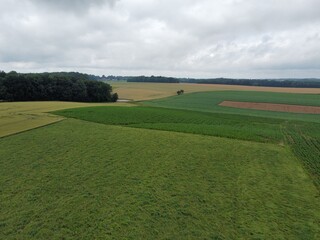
(60, 86)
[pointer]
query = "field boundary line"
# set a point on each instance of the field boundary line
(162, 130)
(199, 134)
(27, 130)
(290, 141)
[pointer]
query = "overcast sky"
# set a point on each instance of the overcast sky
(182, 38)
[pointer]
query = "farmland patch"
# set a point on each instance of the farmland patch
(302, 137)
(222, 125)
(16, 117)
(209, 102)
(77, 179)
(144, 91)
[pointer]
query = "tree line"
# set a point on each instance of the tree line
(60, 86)
(153, 79)
(293, 83)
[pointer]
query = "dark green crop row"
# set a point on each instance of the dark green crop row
(223, 125)
(304, 140)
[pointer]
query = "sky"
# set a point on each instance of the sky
(179, 38)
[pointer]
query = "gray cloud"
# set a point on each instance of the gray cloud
(72, 5)
(205, 38)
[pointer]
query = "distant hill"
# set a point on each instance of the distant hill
(281, 82)
(288, 82)
(158, 79)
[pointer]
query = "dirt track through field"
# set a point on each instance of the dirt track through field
(272, 107)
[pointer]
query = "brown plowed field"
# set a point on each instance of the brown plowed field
(272, 107)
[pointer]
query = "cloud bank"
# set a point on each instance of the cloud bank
(205, 38)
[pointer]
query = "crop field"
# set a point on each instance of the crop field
(301, 131)
(147, 91)
(209, 102)
(77, 179)
(21, 116)
(304, 139)
(176, 168)
(223, 125)
(212, 119)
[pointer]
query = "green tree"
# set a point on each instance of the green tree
(115, 97)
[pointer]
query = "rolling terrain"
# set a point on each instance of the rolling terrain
(77, 179)
(181, 167)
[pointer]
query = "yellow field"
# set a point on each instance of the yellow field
(146, 91)
(21, 116)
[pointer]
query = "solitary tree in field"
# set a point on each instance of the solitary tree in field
(180, 92)
(114, 97)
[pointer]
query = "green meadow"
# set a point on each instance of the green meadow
(302, 137)
(77, 179)
(174, 168)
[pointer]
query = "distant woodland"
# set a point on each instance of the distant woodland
(294, 83)
(153, 79)
(74, 86)
(60, 86)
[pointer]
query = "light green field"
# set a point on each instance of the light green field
(77, 179)
(21, 116)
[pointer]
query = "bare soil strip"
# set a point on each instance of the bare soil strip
(272, 107)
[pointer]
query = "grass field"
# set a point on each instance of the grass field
(204, 116)
(76, 179)
(21, 116)
(175, 168)
(147, 91)
(303, 137)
